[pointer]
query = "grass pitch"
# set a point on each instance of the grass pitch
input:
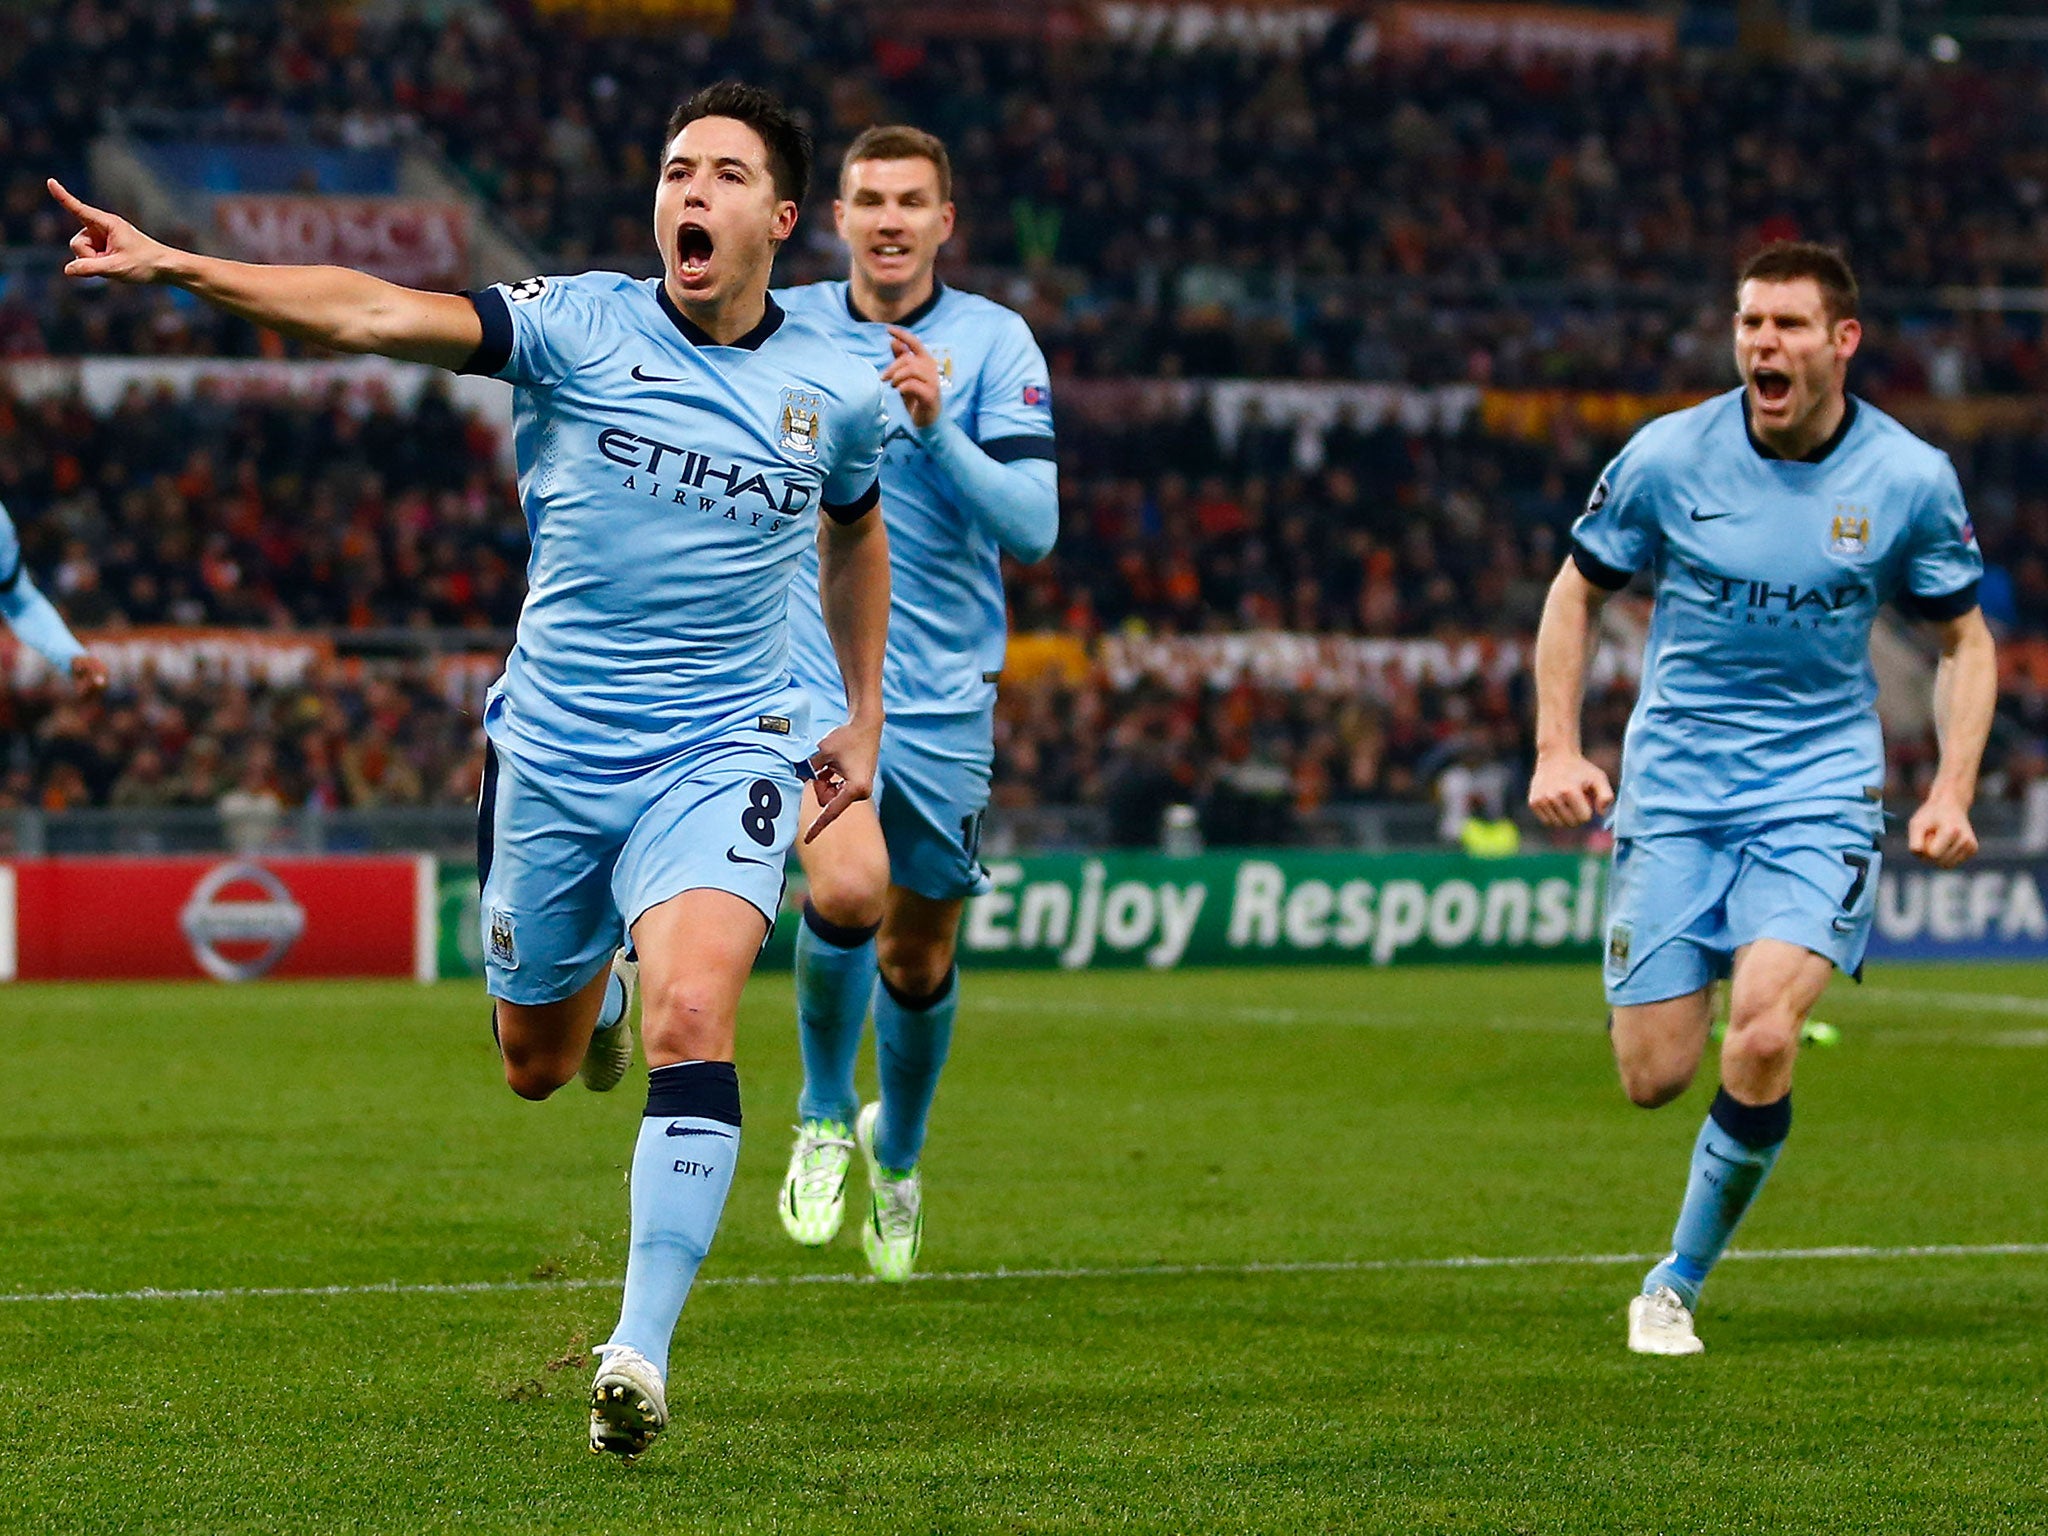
(1143, 1144)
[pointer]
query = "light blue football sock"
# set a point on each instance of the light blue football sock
(912, 1036)
(682, 1169)
(1730, 1161)
(835, 977)
(614, 1006)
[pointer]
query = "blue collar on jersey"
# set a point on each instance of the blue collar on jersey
(1812, 455)
(697, 336)
(917, 314)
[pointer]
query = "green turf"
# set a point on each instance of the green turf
(300, 1135)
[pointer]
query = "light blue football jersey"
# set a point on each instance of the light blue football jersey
(1758, 698)
(671, 487)
(947, 622)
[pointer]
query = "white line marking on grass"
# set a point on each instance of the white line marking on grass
(1105, 1272)
(1962, 1002)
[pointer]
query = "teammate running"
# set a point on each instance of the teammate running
(1775, 520)
(37, 624)
(969, 477)
(678, 440)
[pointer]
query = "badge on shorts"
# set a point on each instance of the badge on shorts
(504, 951)
(1621, 939)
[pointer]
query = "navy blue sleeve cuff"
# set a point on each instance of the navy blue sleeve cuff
(495, 350)
(1604, 576)
(1008, 450)
(853, 511)
(1948, 605)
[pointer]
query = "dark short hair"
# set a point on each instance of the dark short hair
(899, 141)
(788, 141)
(1786, 261)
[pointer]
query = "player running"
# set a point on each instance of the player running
(37, 624)
(969, 476)
(678, 440)
(1775, 520)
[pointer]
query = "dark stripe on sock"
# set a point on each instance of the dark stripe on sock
(833, 934)
(696, 1090)
(912, 1004)
(1756, 1126)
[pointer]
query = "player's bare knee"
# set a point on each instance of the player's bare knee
(849, 897)
(535, 1075)
(684, 1021)
(1767, 1046)
(916, 966)
(1651, 1085)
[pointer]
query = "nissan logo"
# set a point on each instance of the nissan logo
(270, 924)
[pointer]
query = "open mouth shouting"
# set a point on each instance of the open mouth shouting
(693, 254)
(1772, 389)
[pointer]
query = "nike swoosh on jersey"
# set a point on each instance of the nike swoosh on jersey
(733, 855)
(1708, 517)
(653, 378)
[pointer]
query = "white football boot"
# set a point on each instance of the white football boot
(610, 1052)
(628, 1406)
(894, 1230)
(1661, 1324)
(813, 1199)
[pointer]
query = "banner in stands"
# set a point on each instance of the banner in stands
(412, 241)
(232, 919)
(1411, 27)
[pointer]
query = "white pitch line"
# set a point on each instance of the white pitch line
(1107, 1272)
(1961, 1002)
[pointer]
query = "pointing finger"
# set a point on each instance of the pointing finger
(85, 211)
(907, 341)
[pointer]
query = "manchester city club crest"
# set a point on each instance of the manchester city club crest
(800, 411)
(1849, 534)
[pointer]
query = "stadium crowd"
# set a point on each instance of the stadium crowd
(353, 514)
(1416, 221)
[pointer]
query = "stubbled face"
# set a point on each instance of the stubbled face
(891, 216)
(1792, 360)
(717, 218)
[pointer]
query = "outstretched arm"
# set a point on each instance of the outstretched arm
(38, 625)
(1566, 789)
(332, 307)
(853, 590)
(1965, 696)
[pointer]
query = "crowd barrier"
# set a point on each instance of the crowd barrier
(237, 919)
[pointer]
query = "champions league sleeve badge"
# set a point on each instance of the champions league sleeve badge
(800, 412)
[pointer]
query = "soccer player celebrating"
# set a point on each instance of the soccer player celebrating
(680, 442)
(38, 625)
(1774, 519)
(969, 477)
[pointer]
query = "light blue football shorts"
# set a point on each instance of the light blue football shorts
(930, 794)
(1680, 904)
(569, 864)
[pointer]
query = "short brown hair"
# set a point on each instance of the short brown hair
(787, 141)
(899, 141)
(1786, 261)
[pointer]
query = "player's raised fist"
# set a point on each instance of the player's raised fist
(1567, 790)
(914, 373)
(108, 245)
(1940, 833)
